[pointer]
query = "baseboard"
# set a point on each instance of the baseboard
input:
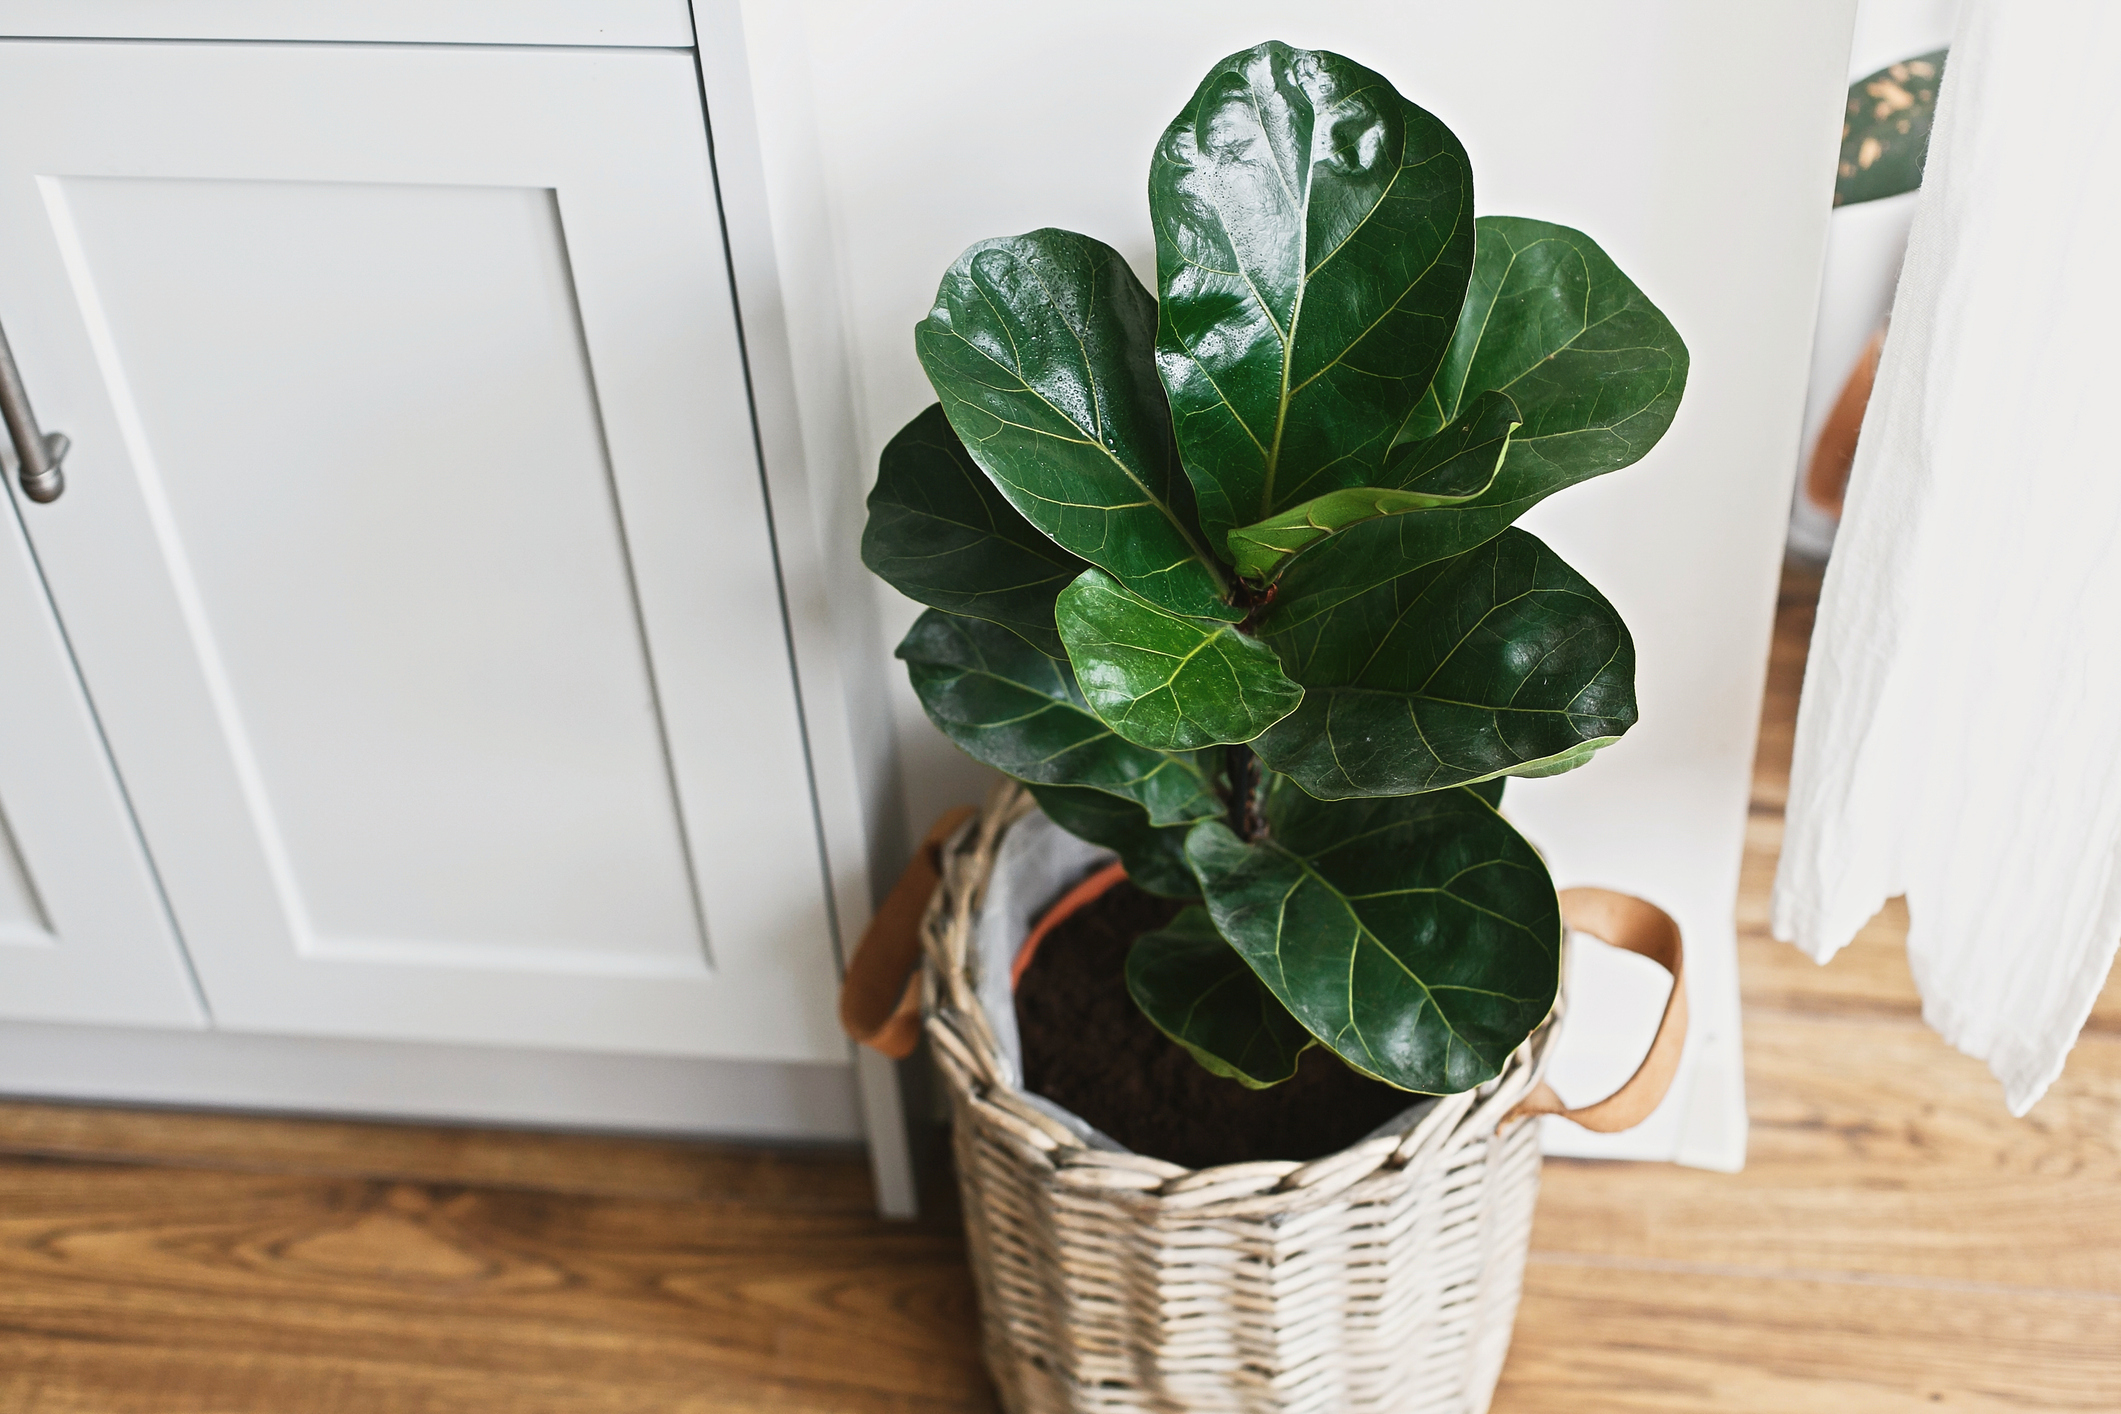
(404, 1080)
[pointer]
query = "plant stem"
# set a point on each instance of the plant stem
(1253, 601)
(1241, 768)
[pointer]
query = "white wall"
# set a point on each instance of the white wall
(1695, 142)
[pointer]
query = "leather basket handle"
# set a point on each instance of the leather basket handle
(1641, 927)
(880, 999)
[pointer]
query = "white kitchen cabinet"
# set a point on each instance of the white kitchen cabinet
(414, 552)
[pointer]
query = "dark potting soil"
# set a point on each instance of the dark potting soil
(1089, 1048)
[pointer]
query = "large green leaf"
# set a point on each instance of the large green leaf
(1418, 937)
(940, 532)
(1189, 981)
(1314, 235)
(1009, 705)
(1163, 680)
(1885, 136)
(1503, 661)
(1041, 347)
(1594, 368)
(1449, 469)
(1155, 856)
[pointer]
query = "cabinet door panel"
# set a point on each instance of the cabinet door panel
(414, 547)
(83, 934)
(424, 617)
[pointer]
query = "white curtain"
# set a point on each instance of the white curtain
(1959, 737)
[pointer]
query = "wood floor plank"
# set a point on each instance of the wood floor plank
(1876, 1149)
(185, 1291)
(1795, 606)
(1680, 1341)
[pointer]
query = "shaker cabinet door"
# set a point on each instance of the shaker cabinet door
(414, 549)
(83, 934)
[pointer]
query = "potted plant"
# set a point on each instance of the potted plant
(1226, 578)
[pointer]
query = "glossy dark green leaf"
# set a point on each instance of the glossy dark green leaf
(940, 532)
(1594, 369)
(1008, 704)
(1041, 347)
(1314, 238)
(1419, 937)
(1155, 856)
(1503, 661)
(1449, 469)
(1885, 137)
(1201, 994)
(1163, 680)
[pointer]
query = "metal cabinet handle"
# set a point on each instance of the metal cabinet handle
(39, 452)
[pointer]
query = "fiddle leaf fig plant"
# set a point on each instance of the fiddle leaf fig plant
(1228, 575)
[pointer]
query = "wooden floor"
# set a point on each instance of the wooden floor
(1897, 1242)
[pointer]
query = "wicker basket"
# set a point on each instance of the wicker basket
(1383, 1277)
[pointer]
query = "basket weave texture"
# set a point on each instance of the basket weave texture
(1381, 1278)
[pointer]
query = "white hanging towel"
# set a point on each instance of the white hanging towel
(1959, 736)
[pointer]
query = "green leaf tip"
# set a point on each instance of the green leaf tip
(942, 533)
(1009, 705)
(1154, 855)
(1166, 681)
(1041, 347)
(1418, 938)
(1197, 990)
